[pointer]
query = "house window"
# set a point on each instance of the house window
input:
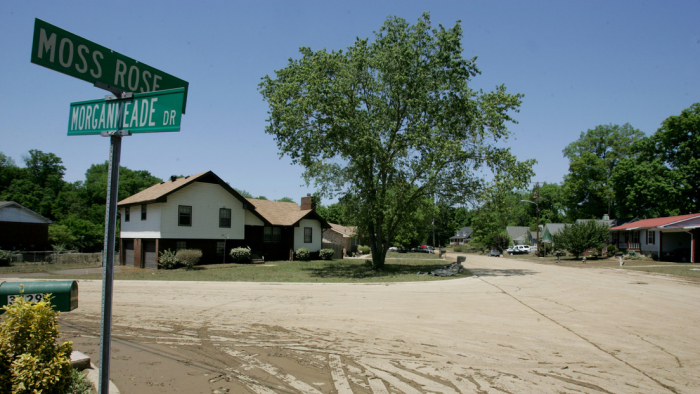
(143, 212)
(651, 237)
(272, 234)
(127, 215)
(224, 217)
(307, 235)
(184, 213)
(181, 245)
(220, 245)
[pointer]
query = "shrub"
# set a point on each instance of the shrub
(188, 257)
(326, 254)
(168, 260)
(303, 254)
(612, 249)
(31, 361)
(601, 248)
(544, 249)
(81, 384)
(5, 258)
(363, 249)
(240, 254)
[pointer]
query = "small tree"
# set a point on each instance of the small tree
(579, 237)
(501, 242)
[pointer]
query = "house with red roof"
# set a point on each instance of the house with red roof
(672, 238)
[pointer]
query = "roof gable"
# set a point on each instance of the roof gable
(345, 231)
(11, 211)
(281, 213)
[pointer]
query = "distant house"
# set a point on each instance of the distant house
(463, 236)
(22, 229)
(668, 239)
(550, 229)
(344, 236)
(203, 212)
(520, 235)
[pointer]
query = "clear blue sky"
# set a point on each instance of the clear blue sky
(579, 64)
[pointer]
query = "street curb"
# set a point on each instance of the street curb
(93, 375)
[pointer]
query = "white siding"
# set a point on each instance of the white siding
(14, 213)
(643, 239)
(205, 200)
(316, 235)
(252, 220)
(137, 228)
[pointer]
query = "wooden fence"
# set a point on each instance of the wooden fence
(337, 249)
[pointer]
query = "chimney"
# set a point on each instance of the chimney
(606, 217)
(308, 203)
(173, 178)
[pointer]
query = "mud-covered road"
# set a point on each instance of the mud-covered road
(515, 327)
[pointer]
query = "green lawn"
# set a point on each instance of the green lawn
(400, 267)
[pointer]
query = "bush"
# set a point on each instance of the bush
(5, 258)
(188, 257)
(31, 361)
(303, 254)
(240, 254)
(168, 260)
(81, 384)
(363, 249)
(544, 249)
(601, 248)
(326, 254)
(612, 249)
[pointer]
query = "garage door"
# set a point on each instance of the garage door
(149, 254)
(129, 253)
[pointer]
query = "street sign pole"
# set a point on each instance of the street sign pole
(157, 107)
(115, 148)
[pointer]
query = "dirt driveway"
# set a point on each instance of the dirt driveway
(515, 327)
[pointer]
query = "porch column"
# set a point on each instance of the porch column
(692, 245)
(661, 245)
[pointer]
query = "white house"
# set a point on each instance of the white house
(671, 238)
(203, 212)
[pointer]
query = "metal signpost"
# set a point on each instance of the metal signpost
(144, 100)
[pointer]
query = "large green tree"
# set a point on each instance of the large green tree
(392, 121)
(663, 177)
(588, 189)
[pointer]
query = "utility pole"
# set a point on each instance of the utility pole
(537, 205)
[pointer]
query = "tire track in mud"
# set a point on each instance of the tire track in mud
(269, 359)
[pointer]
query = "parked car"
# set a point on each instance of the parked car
(493, 253)
(519, 249)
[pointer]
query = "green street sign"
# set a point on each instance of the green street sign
(65, 52)
(151, 112)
